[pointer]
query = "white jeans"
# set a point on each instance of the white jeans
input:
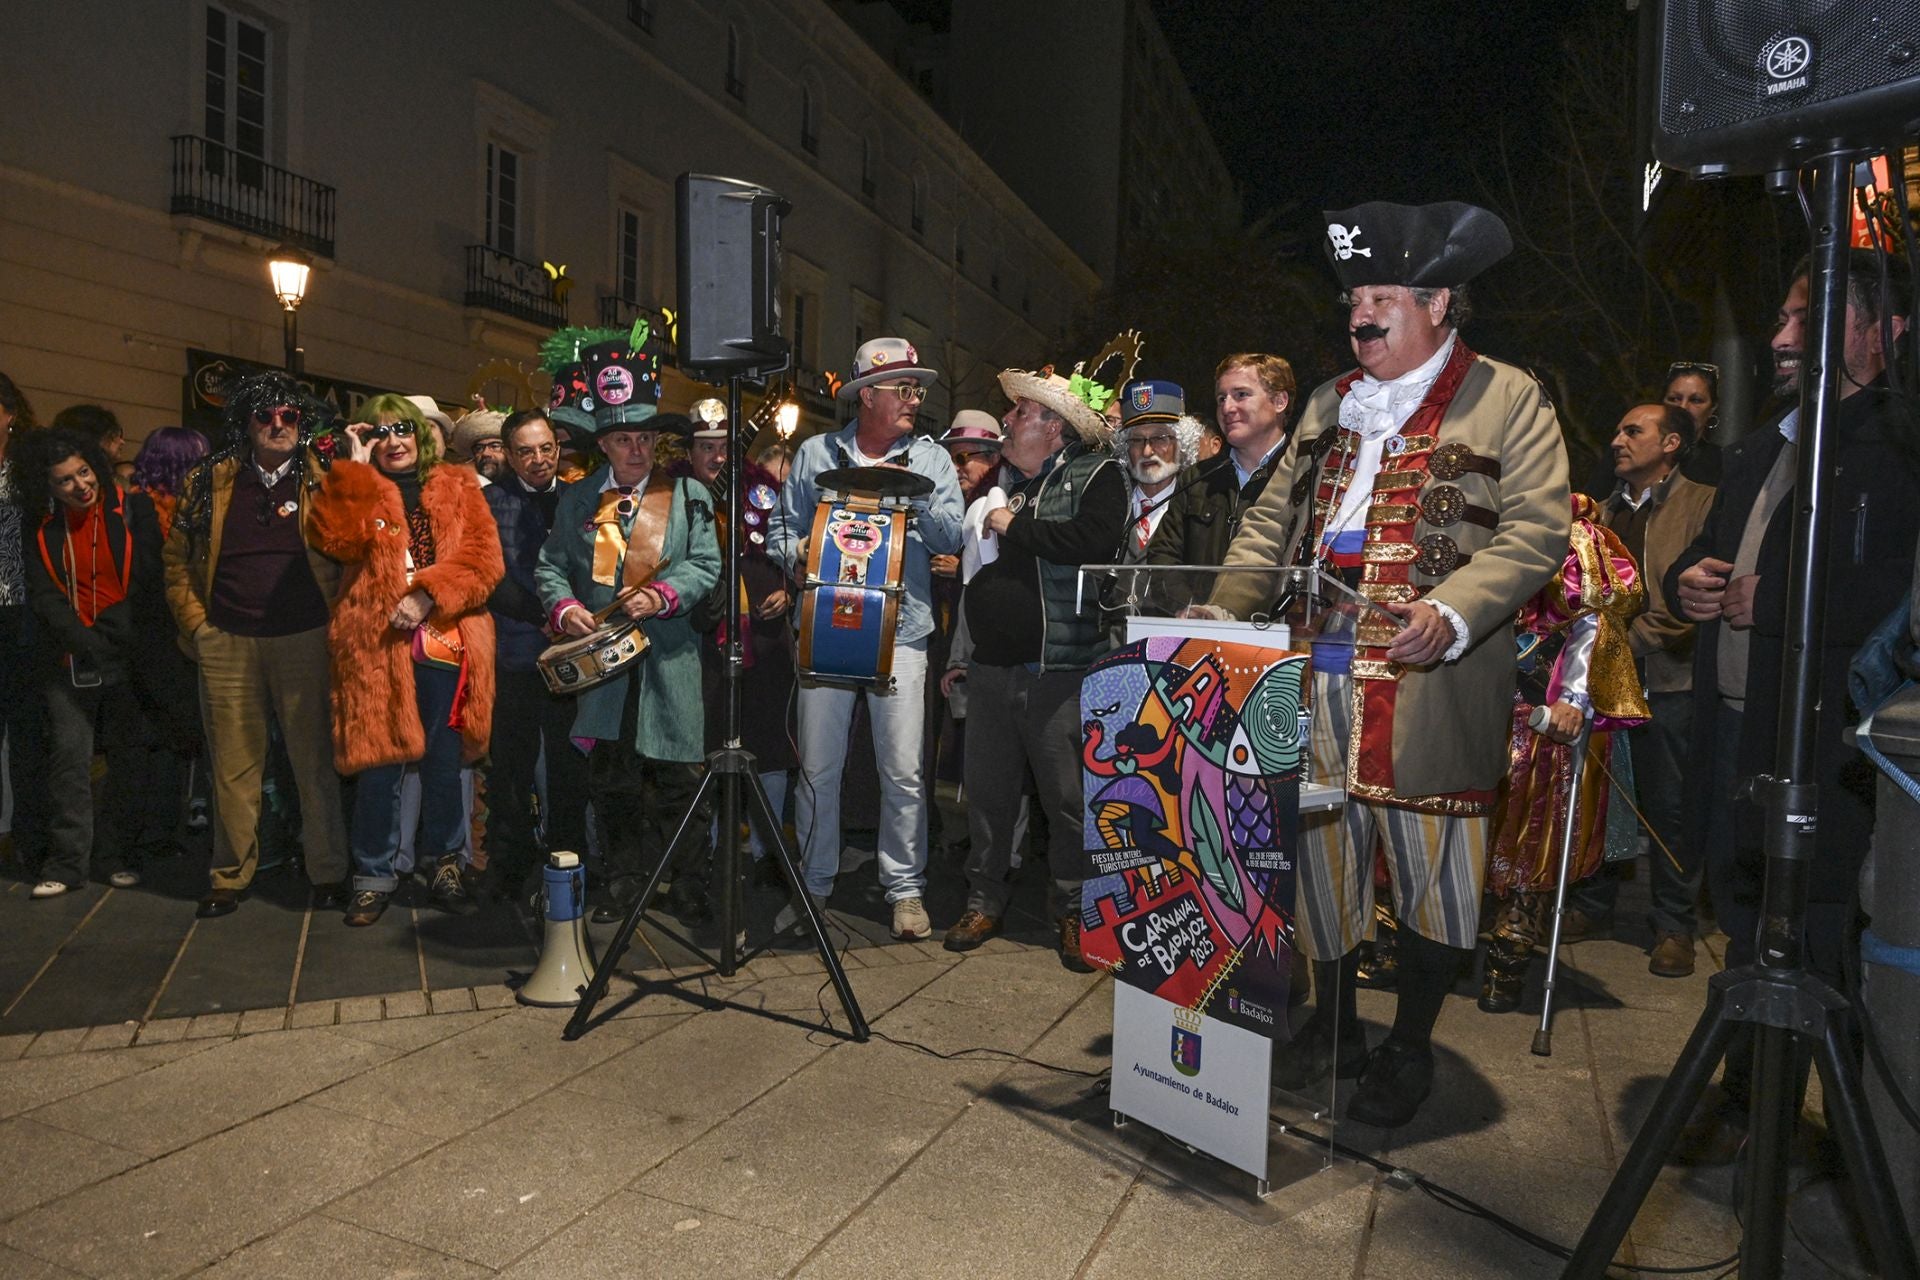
(826, 726)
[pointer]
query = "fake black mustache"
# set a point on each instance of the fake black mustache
(1369, 333)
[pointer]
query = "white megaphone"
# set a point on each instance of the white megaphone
(564, 967)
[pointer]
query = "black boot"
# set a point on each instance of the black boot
(1507, 965)
(1313, 1051)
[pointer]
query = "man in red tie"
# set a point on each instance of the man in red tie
(1157, 441)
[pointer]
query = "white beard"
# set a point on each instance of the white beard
(1151, 471)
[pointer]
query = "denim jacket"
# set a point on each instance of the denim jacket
(934, 530)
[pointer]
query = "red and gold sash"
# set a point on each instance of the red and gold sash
(1386, 576)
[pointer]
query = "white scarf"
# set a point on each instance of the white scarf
(1374, 410)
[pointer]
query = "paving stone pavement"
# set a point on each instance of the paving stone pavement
(706, 1129)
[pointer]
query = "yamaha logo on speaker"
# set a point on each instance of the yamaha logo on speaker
(1784, 64)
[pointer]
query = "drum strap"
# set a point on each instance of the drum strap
(639, 550)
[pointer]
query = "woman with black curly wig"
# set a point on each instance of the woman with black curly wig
(93, 581)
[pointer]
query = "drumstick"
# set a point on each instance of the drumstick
(600, 616)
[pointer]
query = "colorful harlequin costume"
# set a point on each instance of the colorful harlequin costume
(1585, 610)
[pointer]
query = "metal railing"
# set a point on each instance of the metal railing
(501, 282)
(232, 188)
(617, 312)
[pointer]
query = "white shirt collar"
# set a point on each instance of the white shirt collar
(610, 483)
(275, 476)
(551, 484)
(1241, 474)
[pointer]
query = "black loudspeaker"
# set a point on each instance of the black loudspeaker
(729, 264)
(1759, 86)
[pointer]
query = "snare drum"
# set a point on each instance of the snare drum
(856, 559)
(585, 662)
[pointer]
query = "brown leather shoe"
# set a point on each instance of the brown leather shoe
(1578, 926)
(365, 907)
(970, 930)
(1070, 945)
(1672, 956)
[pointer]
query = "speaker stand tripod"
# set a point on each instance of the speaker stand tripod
(728, 770)
(1776, 995)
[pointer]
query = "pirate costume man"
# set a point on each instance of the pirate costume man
(1434, 480)
(652, 535)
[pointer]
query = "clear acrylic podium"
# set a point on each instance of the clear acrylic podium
(1292, 615)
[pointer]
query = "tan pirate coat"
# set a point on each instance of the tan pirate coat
(1448, 724)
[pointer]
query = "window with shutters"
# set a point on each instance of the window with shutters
(503, 199)
(629, 254)
(236, 97)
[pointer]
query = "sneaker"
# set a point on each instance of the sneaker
(366, 906)
(124, 879)
(1070, 955)
(910, 920)
(970, 930)
(51, 888)
(1397, 1080)
(1672, 956)
(449, 887)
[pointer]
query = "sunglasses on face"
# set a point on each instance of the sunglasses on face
(402, 429)
(908, 391)
(1692, 366)
(281, 417)
(1152, 442)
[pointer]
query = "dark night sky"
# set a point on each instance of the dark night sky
(1327, 104)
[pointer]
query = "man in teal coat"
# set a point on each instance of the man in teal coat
(641, 531)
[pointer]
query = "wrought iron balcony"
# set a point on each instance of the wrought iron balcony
(234, 189)
(619, 313)
(503, 283)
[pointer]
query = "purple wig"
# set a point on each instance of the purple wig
(166, 457)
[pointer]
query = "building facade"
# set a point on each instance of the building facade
(1081, 107)
(466, 179)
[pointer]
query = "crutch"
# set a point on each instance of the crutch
(1543, 1036)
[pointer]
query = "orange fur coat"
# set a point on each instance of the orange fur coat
(358, 519)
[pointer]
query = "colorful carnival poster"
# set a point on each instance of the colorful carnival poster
(1191, 757)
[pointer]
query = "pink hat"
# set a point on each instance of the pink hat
(972, 427)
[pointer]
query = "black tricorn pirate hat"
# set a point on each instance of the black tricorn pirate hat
(1425, 246)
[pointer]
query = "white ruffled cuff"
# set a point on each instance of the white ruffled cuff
(1461, 637)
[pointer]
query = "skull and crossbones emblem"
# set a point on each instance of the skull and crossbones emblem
(1343, 246)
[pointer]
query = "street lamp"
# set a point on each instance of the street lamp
(289, 269)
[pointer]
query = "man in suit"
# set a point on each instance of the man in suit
(1435, 482)
(530, 723)
(641, 543)
(1657, 511)
(1252, 394)
(1733, 579)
